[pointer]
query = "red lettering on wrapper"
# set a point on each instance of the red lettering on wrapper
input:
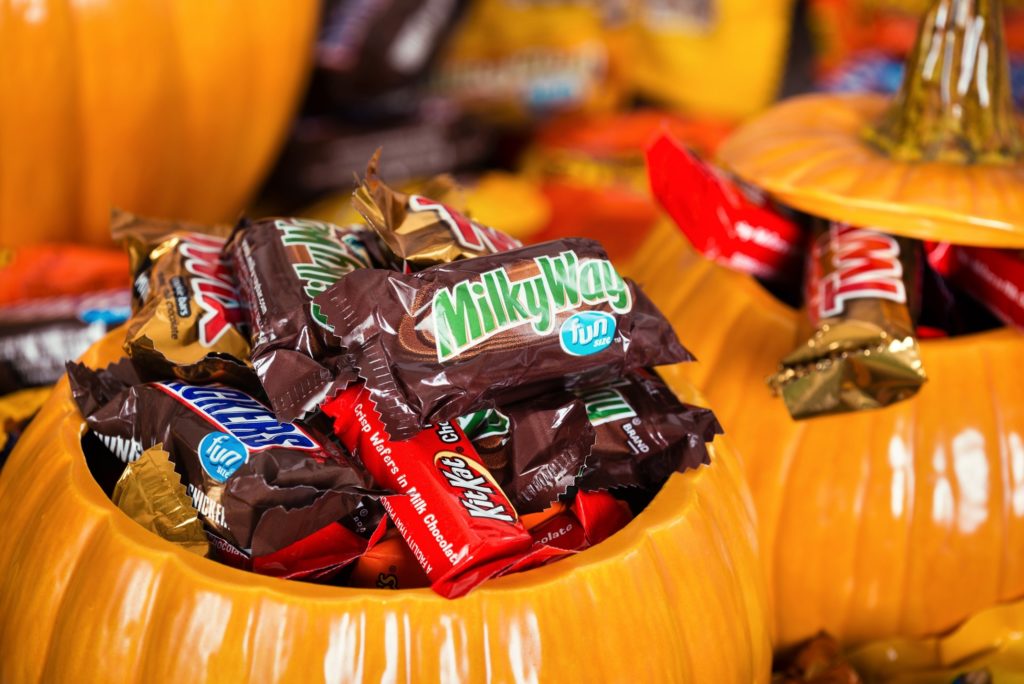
(469, 234)
(212, 286)
(865, 264)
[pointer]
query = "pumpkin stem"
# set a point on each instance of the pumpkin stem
(955, 103)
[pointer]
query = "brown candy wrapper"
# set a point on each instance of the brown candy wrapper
(187, 315)
(479, 333)
(257, 482)
(150, 493)
(421, 232)
(862, 354)
(535, 449)
(281, 265)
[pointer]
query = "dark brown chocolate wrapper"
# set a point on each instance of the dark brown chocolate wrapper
(421, 231)
(187, 316)
(281, 264)
(535, 449)
(293, 481)
(481, 359)
(863, 291)
(38, 337)
(644, 433)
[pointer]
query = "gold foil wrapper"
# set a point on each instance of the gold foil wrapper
(862, 353)
(150, 493)
(425, 229)
(186, 311)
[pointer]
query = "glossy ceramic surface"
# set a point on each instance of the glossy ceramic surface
(677, 596)
(899, 521)
(807, 151)
(161, 108)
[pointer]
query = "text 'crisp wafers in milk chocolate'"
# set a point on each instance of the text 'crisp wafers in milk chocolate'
(473, 334)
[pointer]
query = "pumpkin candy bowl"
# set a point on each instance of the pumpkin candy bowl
(87, 592)
(895, 521)
(200, 94)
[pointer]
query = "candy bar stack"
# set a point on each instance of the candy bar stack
(420, 401)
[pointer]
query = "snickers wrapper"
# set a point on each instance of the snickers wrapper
(257, 482)
(861, 288)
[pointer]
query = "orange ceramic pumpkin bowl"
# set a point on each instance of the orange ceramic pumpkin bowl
(162, 108)
(899, 521)
(678, 595)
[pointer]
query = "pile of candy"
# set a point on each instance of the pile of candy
(421, 402)
(868, 296)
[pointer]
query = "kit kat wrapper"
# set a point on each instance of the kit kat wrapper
(259, 483)
(281, 264)
(457, 521)
(863, 290)
(187, 318)
(535, 448)
(474, 334)
(421, 231)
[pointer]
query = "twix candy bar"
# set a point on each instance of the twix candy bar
(420, 231)
(187, 317)
(861, 287)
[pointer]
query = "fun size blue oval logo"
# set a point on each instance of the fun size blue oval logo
(221, 455)
(587, 332)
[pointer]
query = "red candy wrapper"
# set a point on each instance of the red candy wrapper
(993, 276)
(592, 518)
(453, 515)
(721, 221)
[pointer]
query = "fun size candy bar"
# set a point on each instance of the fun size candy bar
(473, 334)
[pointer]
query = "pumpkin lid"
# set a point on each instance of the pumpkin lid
(943, 160)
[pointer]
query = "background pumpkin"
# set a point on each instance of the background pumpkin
(678, 595)
(899, 521)
(163, 108)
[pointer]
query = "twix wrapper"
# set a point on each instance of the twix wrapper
(421, 232)
(281, 264)
(150, 492)
(863, 354)
(457, 521)
(187, 316)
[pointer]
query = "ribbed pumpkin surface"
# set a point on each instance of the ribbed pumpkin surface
(807, 151)
(677, 596)
(162, 108)
(900, 521)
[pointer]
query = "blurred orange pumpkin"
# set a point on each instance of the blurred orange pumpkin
(676, 596)
(899, 521)
(164, 108)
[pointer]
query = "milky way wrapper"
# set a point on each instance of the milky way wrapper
(150, 492)
(257, 482)
(421, 232)
(187, 319)
(473, 334)
(535, 448)
(862, 289)
(281, 265)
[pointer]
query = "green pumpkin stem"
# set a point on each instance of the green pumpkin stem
(955, 103)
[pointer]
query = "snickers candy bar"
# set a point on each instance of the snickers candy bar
(187, 317)
(281, 265)
(257, 482)
(862, 289)
(456, 338)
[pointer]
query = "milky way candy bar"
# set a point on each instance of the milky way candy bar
(187, 318)
(281, 265)
(473, 334)
(862, 353)
(257, 482)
